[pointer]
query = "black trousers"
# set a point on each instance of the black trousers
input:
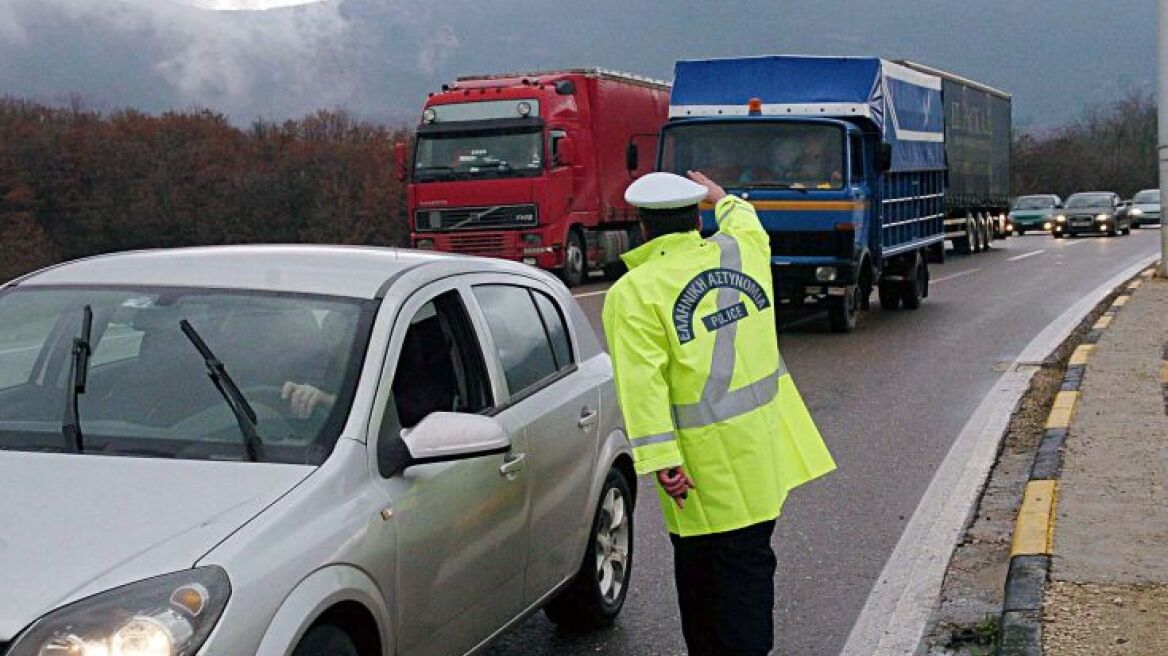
(726, 590)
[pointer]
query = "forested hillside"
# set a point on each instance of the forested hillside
(76, 182)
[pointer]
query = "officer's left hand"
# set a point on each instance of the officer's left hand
(676, 483)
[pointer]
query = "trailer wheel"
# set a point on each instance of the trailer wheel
(916, 285)
(575, 267)
(987, 232)
(842, 314)
(975, 226)
(964, 244)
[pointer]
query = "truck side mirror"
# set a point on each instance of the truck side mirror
(884, 157)
(566, 151)
(632, 157)
(399, 160)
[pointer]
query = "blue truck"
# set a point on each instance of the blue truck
(860, 168)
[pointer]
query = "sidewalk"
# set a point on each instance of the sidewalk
(1108, 589)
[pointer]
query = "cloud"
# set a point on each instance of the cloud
(233, 5)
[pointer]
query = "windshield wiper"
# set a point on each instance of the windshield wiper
(244, 414)
(79, 367)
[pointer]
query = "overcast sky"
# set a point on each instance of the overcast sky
(380, 57)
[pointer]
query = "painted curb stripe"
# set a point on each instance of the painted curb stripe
(1164, 374)
(1062, 410)
(1102, 323)
(1034, 529)
(1079, 357)
(1120, 301)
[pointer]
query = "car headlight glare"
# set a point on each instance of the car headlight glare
(825, 274)
(169, 615)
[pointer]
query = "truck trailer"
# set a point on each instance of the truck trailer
(533, 167)
(860, 168)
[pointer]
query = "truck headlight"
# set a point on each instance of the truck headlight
(169, 615)
(825, 274)
(424, 244)
(430, 115)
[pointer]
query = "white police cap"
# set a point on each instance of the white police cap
(661, 191)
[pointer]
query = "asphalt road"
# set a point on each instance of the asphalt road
(889, 399)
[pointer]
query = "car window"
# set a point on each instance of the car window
(519, 334)
(441, 367)
(557, 332)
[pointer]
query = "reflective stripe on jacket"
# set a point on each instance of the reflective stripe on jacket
(691, 331)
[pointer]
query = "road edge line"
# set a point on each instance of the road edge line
(901, 601)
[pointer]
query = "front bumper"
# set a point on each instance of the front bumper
(506, 245)
(798, 280)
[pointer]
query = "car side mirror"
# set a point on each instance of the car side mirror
(632, 157)
(450, 436)
(566, 152)
(884, 157)
(399, 160)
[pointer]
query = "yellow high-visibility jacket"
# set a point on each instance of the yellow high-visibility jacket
(691, 332)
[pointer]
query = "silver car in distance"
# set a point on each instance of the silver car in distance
(302, 450)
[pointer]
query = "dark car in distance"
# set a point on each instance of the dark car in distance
(1092, 212)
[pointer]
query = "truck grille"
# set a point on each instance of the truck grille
(489, 245)
(476, 218)
(811, 243)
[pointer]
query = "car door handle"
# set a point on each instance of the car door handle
(587, 418)
(512, 464)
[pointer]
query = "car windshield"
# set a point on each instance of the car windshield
(779, 155)
(148, 392)
(1150, 196)
(1089, 200)
(470, 155)
(1034, 203)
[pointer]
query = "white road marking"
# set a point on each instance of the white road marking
(954, 275)
(897, 611)
(1025, 255)
(587, 294)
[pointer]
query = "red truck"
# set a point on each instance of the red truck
(533, 167)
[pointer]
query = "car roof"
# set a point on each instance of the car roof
(350, 271)
(1094, 193)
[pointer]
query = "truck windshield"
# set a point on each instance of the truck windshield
(1033, 203)
(779, 155)
(473, 155)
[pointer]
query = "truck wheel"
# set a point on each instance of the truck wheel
(575, 267)
(842, 314)
(595, 597)
(889, 296)
(916, 285)
(614, 270)
(988, 239)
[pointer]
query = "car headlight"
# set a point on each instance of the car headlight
(825, 274)
(1046, 226)
(1060, 218)
(1101, 217)
(169, 615)
(1135, 211)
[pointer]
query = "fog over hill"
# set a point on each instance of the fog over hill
(380, 57)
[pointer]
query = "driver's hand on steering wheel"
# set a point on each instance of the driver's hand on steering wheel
(303, 398)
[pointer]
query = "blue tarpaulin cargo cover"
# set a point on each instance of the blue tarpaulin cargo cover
(904, 104)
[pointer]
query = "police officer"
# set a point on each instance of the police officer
(708, 404)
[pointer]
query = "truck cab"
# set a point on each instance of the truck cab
(811, 181)
(533, 167)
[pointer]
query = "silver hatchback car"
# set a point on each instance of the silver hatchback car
(315, 451)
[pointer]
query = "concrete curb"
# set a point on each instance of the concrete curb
(1020, 629)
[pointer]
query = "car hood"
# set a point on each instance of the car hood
(1080, 212)
(75, 525)
(1147, 207)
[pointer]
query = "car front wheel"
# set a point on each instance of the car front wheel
(326, 640)
(597, 593)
